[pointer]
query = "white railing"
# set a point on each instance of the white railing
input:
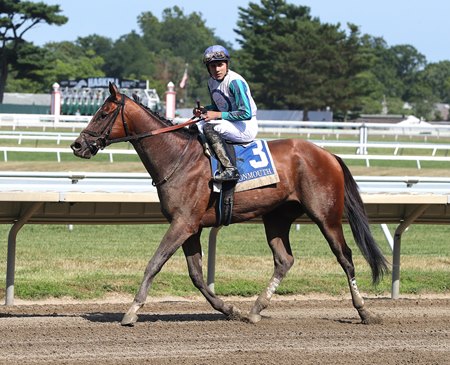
(335, 130)
(37, 136)
(112, 152)
(273, 126)
(361, 148)
(416, 159)
(397, 147)
(59, 151)
(405, 181)
(44, 121)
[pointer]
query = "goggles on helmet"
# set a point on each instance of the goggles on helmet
(215, 56)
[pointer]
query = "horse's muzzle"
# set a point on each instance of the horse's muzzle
(81, 148)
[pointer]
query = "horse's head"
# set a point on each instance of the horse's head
(108, 123)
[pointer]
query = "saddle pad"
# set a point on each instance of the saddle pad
(255, 165)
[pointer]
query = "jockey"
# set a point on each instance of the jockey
(232, 113)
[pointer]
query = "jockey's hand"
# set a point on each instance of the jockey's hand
(198, 111)
(211, 115)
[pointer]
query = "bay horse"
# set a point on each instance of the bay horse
(312, 181)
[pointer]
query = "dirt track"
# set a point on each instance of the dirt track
(414, 331)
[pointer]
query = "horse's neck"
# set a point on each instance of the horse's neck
(159, 153)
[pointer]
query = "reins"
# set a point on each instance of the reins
(136, 137)
(132, 137)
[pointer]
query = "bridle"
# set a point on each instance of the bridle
(102, 138)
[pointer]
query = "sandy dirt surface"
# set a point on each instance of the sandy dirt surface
(293, 331)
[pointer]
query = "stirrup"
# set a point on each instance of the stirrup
(229, 174)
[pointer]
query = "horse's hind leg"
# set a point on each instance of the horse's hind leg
(193, 252)
(335, 237)
(277, 229)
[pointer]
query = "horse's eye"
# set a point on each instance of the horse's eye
(103, 115)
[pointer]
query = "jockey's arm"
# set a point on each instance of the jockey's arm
(238, 90)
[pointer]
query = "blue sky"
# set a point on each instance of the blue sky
(422, 24)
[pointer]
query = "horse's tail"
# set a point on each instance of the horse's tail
(359, 224)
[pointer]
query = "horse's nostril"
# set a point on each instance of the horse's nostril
(75, 146)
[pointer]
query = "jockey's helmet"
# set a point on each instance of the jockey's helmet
(215, 53)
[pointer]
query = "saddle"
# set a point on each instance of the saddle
(256, 169)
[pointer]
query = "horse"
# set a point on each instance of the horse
(312, 181)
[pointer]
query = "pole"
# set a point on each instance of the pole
(55, 107)
(170, 100)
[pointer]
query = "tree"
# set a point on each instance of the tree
(29, 70)
(71, 61)
(178, 40)
(130, 58)
(16, 18)
(294, 61)
(102, 46)
(437, 77)
(408, 63)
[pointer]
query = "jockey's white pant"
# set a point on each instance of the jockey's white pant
(241, 131)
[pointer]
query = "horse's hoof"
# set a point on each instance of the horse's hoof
(129, 319)
(254, 318)
(369, 318)
(234, 315)
(373, 319)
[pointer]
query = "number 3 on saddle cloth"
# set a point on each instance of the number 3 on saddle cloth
(256, 169)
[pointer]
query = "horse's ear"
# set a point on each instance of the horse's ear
(113, 89)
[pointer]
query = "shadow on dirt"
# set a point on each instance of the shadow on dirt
(105, 317)
(195, 317)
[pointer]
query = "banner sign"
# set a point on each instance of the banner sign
(103, 82)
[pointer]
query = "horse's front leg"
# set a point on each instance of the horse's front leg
(176, 235)
(193, 252)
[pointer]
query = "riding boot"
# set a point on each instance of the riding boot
(230, 172)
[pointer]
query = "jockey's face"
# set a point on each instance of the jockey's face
(218, 69)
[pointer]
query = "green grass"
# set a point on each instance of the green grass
(92, 261)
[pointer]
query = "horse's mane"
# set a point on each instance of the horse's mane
(137, 99)
(156, 115)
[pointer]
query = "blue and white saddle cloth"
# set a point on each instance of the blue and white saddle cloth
(255, 165)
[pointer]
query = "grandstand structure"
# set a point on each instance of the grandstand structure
(85, 96)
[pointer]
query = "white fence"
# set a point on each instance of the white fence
(20, 136)
(360, 148)
(111, 152)
(361, 132)
(309, 128)
(59, 151)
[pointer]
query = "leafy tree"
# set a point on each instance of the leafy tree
(408, 62)
(70, 61)
(29, 70)
(347, 84)
(437, 77)
(101, 46)
(175, 41)
(395, 67)
(130, 58)
(16, 18)
(295, 62)
(39, 68)
(381, 77)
